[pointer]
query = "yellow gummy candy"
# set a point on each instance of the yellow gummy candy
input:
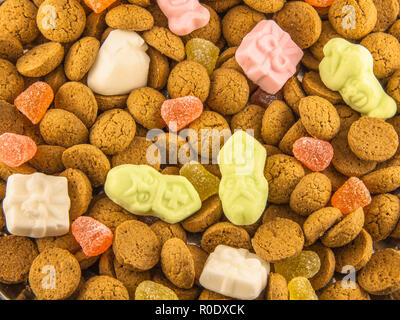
(300, 288)
(348, 68)
(150, 290)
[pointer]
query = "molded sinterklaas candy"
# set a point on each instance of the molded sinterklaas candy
(235, 273)
(121, 65)
(268, 56)
(243, 189)
(348, 68)
(184, 16)
(37, 205)
(142, 190)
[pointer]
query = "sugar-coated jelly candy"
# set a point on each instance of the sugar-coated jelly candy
(184, 16)
(93, 236)
(150, 290)
(320, 3)
(178, 113)
(35, 100)
(300, 288)
(142, 190)
(348, 68)
(315, 154)
(202, 51)
(264, 99)
(306, 264)
(99, 5)
(243, 189)
(202, 180)
(351, 195)
(16, 149)
(268, 56)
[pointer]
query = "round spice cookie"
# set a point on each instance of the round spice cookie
(47, 159)
(61, 20)
(17, 17)
(10, 47)
(113, 131)
(276, 121)
(238, 22)
(211, 31)
(189, 78)
(283, 174)
(327, 268)
(313, 86)
(373, 139)
(381, 275)
(344, 231)
(309, 61)
(278, 239)
(166, 231)
(66, 242)
(209, 214)
(129, 278)
(347, 116)
(41, 60)
(77, 98)
(222, 5)
(266, 7)
(56, 78)
(344, 291)
(249, 118)
(110, 102)
(111, 219)
(79, 191)
(54, 275)
(301, 21)
(136, 153)
(63, 128)
(357, 253)
(11, 82)
(227, 234)
(89, 159)
(345, 161)
(103, 288)
(145, 106)
(177, 263)
(85, 262)
(95, 25)
(385, 50)
(225, 56)
(102, 204)
(319, 117)
(199, 258)
(129, 17)
(229, 91)
(282, 211)
(11, 120)
(158, 69)
(277, 288)
(137, 235)
(382, 215)
(383, 180)
(353, 19)
(387, 10)
(166, 42)
(16, 257)
(80, 58)
(296, 131)
(393, 88)
(327, 33)
(160, 20)
(271, 150)
(319, 222)
(6, 171)
(293, 92)
(311, 193)
(106, 264)
(337, 179)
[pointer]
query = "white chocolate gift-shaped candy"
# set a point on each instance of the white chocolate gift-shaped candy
(121, 65)
(37, 205)
(235, 273)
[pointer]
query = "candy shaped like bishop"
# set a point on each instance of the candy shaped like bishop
(184, 16)
(348, 68)
(268, 56)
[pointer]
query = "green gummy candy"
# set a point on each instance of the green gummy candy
(202, 51)
(348, 68)
(243, 189)
(142, 190)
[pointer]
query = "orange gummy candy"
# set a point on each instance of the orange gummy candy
(35, 100)
(99, 5)
(315, 154)
(15, 149)
(93, 236)
(352, 195)
(178, 113)
(320, 3)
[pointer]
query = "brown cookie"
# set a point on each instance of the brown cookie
(103, 288)
(166, 231)
(293, 92)
(10, 47)
(47, 159)
(347, 116)
(95, 25)
(249, 119)
(106, 264)
(277, 288)
(313, 86)
(6, 171)
(340, 291)
(129, 17)
(296, 131)
(110, 102)
(11, 120)
(56, 78)
(158, 69)
(336, 178)
(11, 82)
(85, 262)
(388, 10)
(327, 33)
(382, 180)
(327, 268)
(66, 242)
(282, 211)
(199, 258)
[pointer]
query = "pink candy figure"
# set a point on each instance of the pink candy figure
(15, 149)
(184, 16)
(268, 56)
